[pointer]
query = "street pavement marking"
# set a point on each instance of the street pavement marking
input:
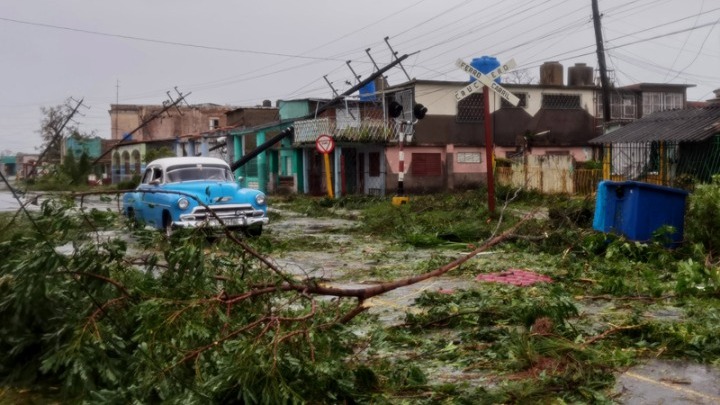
(673, 387)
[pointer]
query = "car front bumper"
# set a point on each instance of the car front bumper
(232, 216)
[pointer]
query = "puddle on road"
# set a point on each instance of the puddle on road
(669, 382)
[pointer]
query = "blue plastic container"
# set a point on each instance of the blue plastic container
(636, 210)
(367, 92)
(485, 64)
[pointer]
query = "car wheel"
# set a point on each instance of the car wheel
(132, 220)
(254, 231)
(168, 228)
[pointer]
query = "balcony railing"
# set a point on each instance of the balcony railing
(357, 131)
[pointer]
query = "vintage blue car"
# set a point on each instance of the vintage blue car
(179, 192)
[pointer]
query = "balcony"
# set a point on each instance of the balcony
(345, 130)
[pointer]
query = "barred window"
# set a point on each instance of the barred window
(561, 101)
(622, 106)
(654, 102)
(426, 164)
(522, 104)
(471, 108)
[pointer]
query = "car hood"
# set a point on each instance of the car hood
(210, 192)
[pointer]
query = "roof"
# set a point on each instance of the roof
(187, 160)
(455, 83)
(688, 125)
(656, 87)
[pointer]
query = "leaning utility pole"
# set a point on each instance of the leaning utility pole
(56, 137)
(152, 117)
(289, 130)
(605, 84)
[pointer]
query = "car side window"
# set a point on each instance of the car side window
(147, 176)
(157, 175)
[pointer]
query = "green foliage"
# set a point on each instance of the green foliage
(76, 171)
(694, 277)
(162, 152)
(79, 313)
(703, 216)
(129, 184)
(109, 314)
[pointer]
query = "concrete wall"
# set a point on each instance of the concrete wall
(194, 120)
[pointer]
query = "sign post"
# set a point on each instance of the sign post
(486, 81)
(325, 144)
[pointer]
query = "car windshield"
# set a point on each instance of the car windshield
(198, 172)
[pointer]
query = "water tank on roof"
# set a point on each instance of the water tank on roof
(580, 75)
(485, 64)
(551, 73)
(367, 92)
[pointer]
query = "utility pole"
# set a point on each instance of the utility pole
(289, 130)
(56, 137)
(605, 84)
(606, 151)
(166, 106)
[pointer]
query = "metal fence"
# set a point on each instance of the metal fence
(672, 164)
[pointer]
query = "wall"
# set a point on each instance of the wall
(194, 120)
(439, 97)
(293, 109)
(580, 154)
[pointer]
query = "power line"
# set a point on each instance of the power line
(163, 42)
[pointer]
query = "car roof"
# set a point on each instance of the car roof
(187, 160)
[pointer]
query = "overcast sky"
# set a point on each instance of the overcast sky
(240, 52)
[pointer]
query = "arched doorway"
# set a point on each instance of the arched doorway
(125, 162)
(136, 162)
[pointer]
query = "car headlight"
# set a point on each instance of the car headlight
(183, 203)
(260, 199)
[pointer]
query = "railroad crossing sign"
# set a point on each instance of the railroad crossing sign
(486, 80)
(324, 144)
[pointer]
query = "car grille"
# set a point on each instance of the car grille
(226, 211)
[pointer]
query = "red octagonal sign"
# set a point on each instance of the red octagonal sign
(324, 144)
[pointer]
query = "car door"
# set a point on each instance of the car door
(150, 200)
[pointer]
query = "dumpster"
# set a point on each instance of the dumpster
(636, 210)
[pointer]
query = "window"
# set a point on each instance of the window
(469, 157)
(147, 177)
(157, 175)
(214, 123)
(522, 104)
(561, 101)
(471, 108)
(622, 106)
(426, 164)
(654, 102)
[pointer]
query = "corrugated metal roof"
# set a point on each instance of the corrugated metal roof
(689, 125)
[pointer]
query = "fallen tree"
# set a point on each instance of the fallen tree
(174, 320)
